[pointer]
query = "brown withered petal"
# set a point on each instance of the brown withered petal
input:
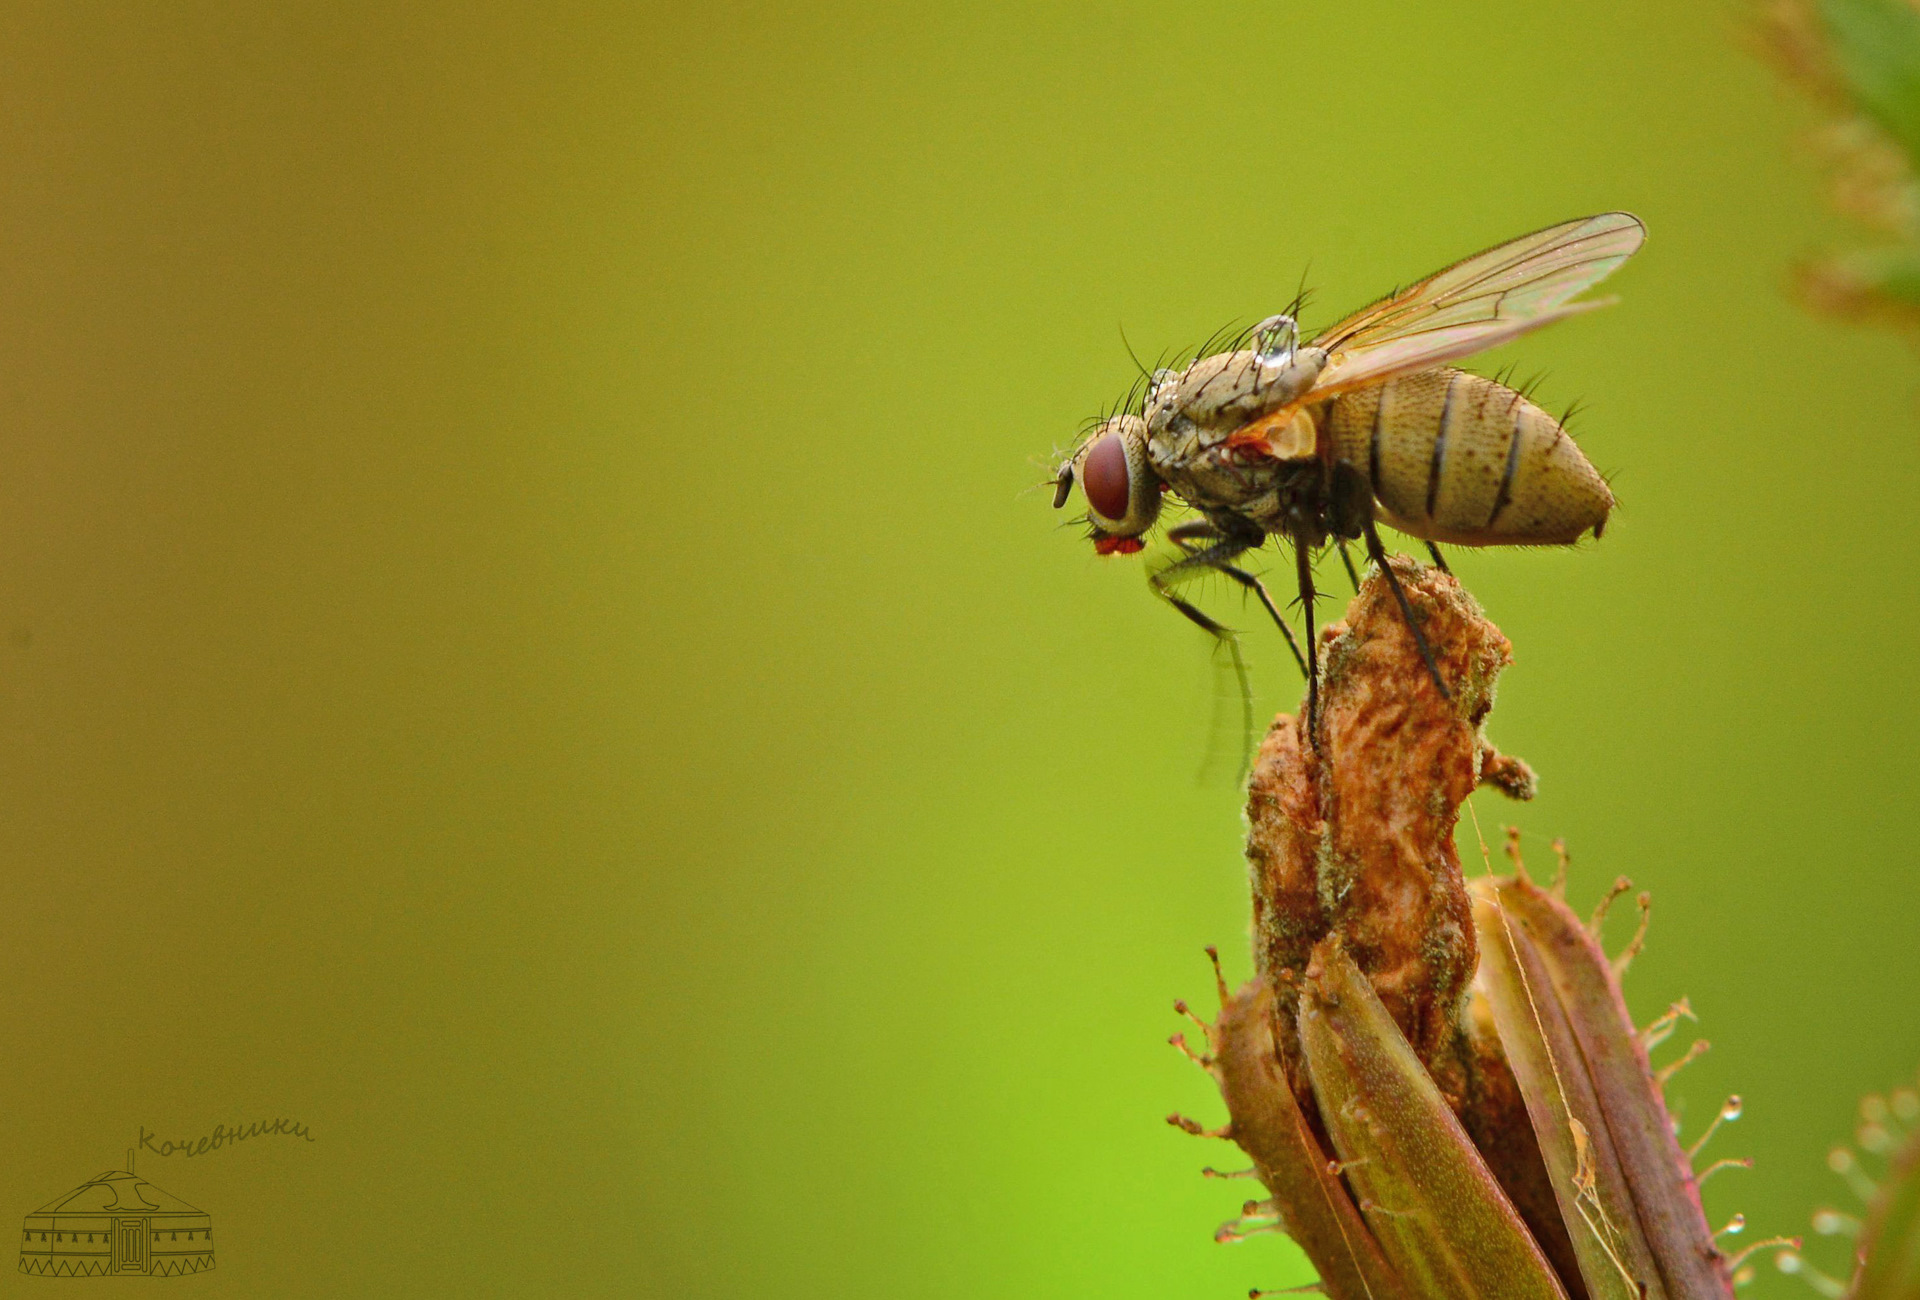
(1439, 1215)
(1626, 1190)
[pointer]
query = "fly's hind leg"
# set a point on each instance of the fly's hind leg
(1197, 530)
(1303, 569)
(1346, 558)
(1439, 560)
(1379, 555)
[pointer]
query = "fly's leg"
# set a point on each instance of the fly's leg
(1353, 574)
(1379, 554)
(1194, 562)
(1259, 589)
(1303, 567)
(1439, 560)
(1199, 529)
(1186, 535)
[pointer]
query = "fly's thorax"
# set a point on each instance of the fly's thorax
(1459, 458)
(1226, 390)
(1178, 443)
(1273, 495)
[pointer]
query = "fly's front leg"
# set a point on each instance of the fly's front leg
(1201, 530)
(1194, 562)
(1379, 554)
(1185, 534)
(1198, 559)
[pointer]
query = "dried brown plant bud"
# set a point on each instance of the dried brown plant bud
(1355, 836)
(1438, 1084)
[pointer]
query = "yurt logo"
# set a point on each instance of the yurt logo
(116, 1225)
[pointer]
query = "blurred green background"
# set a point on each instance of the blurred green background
(530, 645)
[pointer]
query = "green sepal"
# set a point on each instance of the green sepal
(1267, 1124)
(1438, 1213)
(1626, 1191)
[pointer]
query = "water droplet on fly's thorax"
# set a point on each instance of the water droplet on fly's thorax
(1274, 340)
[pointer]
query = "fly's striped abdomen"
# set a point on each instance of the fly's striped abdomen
(1455, 457)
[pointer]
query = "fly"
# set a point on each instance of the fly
(1368, 423)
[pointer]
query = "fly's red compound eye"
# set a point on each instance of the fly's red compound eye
(1123, 494)
(1105, 477)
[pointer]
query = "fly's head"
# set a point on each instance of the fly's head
(1122, 489)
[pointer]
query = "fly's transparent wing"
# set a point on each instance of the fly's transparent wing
(1477, 304)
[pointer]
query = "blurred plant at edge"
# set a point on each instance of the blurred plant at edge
(1860, 60)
